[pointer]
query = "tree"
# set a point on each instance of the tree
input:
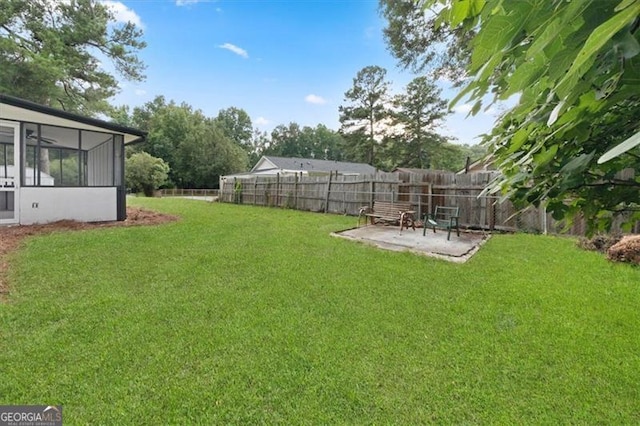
(453, 157)
(259, 143)
(309, 142)
(419, 111)
(368, 105)
(193, 145)
(327, 144)
(51, 53)
(235, 123)
(145, 173)
(204, 154)
(285, 142)
(576, 67)
(414, 37)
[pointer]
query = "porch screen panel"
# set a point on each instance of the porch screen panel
(100, 165)
(118, 160)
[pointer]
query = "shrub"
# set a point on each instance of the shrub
(145, 173)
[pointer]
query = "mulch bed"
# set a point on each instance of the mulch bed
(12, 236)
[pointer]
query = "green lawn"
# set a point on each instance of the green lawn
(244, 315)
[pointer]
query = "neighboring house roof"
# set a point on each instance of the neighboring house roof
(415, 170)
(277, 164)
(13, 108)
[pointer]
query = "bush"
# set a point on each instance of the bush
(145, 173)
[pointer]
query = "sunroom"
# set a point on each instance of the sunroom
(55, 165)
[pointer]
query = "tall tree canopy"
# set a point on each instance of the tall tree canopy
(235, 123)
(193, 145)
(368, 104)
(306, 142)
(51, 52)
(413, 36)
(576, 68)
(419, 111)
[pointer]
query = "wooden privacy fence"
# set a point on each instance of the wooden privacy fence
(347, 194)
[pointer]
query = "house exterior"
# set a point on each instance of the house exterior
(289, 166)
(55, 165)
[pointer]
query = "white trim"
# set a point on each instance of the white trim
(264, 163)
(15, 189)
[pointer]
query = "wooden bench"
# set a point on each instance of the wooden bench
(443, 218)
(385, 211)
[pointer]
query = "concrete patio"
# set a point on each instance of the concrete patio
(457, 249)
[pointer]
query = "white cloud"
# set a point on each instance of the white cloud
(186, 2)
(122, 13)
(492, 111)
(235, 49)
(463, 109)
(261, 121)
(315, 99)
(140, 92)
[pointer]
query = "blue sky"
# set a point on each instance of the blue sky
(281, 61)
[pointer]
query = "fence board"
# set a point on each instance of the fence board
(347, 194)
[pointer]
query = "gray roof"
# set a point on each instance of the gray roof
(313, 165)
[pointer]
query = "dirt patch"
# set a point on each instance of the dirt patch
(12, 236)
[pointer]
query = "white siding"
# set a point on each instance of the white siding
(42, 205)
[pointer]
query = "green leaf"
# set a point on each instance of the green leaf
(598, 38)
(476, 7)
(459, 12)
(559, 109)
(549, 34)
(544, 157)
(620, 149)
(476, 107)
(624, 4)
(627, 44)
(525, 75)
(578, 164)
(495, 37)
(519, 138)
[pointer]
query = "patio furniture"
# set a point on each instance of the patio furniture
(443, 218)
(385, 211)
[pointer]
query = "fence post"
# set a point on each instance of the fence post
(429, 198)
(372, 188)
(326, 198)
(255, 190)
(295, 192)
(277, 204)
(492, 216)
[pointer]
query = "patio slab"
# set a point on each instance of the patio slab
(457, 249)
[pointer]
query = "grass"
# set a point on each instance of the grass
(244, 315)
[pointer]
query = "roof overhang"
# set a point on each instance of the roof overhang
(12, 108)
